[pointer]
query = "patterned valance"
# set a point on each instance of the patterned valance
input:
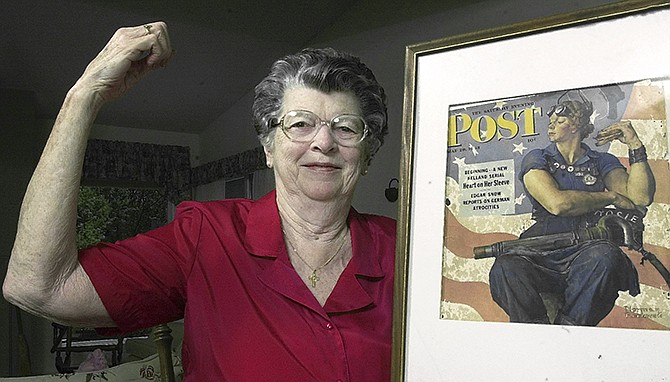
(234, 166)
(164, 165)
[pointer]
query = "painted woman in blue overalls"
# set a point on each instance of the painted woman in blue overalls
(566, 182)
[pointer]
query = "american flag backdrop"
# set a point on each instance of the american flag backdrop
(465, 289)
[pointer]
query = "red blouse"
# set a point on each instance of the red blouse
(248, 316)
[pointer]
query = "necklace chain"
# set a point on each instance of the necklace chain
(314, 278)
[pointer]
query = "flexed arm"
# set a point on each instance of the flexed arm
(542, 186)
(638, 184)
(44, 276)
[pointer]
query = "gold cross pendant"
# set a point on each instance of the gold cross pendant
(313, 279)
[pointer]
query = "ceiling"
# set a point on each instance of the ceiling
(223, 48)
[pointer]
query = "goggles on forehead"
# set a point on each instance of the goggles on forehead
(563, 110)
(559, 110)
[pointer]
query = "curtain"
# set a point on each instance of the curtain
(167, 166)
(234, 166)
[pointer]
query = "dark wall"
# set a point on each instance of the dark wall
(20, 147)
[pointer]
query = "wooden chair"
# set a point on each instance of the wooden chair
(24, 355)
(162, 335)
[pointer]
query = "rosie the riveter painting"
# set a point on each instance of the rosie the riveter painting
(558, 208)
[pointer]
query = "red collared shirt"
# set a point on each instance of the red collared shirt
(248, 316)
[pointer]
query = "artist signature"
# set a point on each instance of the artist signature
(643, 312)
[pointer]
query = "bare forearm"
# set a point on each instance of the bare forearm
(44, 274)
(641, 185)
(542, 186)
(575, 203)
(44, 252)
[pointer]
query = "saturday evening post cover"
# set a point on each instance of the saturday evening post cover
(486, 202)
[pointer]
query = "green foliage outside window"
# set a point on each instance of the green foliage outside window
(110, 214)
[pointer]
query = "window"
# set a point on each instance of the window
(107, 214)
(115, 213)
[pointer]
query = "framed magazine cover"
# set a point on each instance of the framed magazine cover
(475, 106)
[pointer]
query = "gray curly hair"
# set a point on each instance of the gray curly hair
(326, 70)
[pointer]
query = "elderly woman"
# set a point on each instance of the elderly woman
(566, 182)
(296, 286)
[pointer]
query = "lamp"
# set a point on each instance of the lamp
(391, 192)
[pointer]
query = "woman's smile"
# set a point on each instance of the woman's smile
(320, 169)
(322, 166)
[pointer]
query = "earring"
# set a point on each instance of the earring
(269, 164)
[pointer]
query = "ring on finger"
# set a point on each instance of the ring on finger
(148, 28)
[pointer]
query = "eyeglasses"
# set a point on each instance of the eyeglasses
(302, 126)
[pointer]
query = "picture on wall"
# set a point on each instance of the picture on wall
(534, 205)
(556, 210)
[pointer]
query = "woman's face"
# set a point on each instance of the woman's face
(562, 128)
(320, 169)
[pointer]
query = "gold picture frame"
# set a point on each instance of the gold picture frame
(478, 66)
